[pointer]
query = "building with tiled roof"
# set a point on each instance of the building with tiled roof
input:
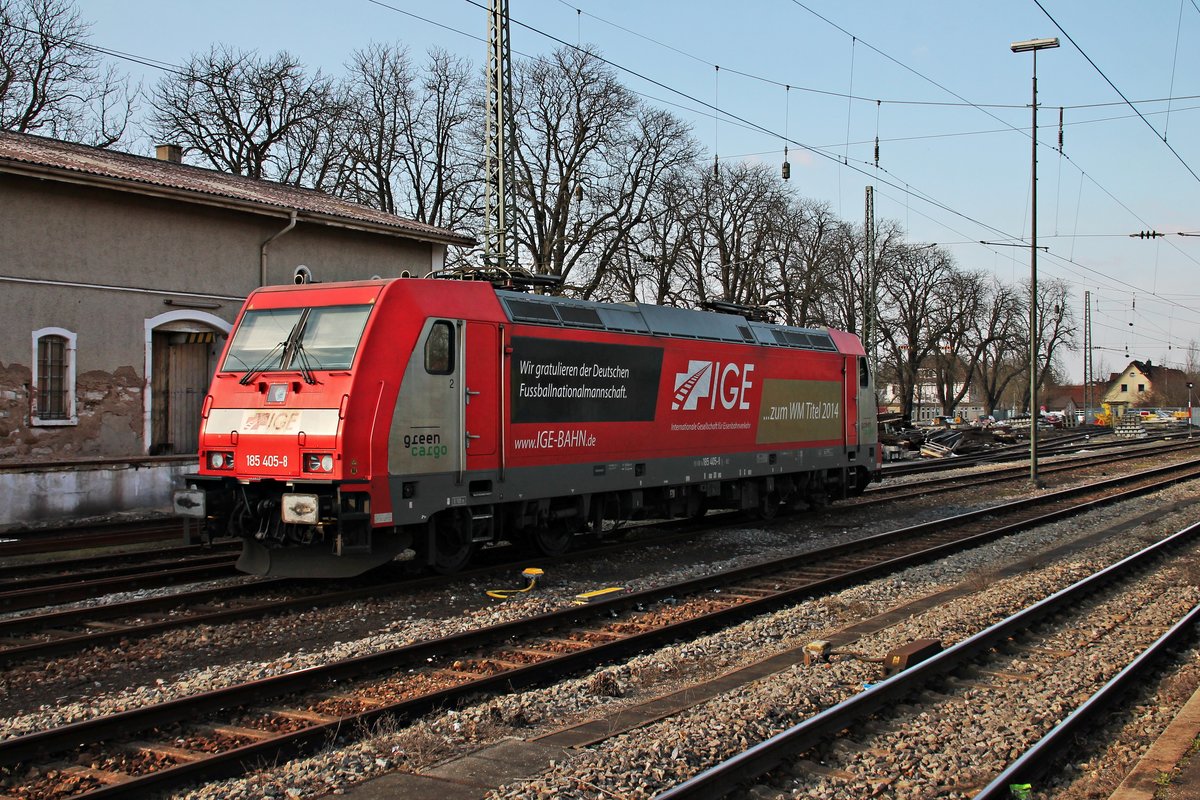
(120, 276)
(166, 177)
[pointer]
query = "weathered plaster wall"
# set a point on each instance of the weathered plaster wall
(57, 494)
(108, 405)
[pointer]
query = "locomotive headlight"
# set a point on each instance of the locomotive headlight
(219, 460)
(318, 462)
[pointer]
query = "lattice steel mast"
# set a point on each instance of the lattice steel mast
(500, 134)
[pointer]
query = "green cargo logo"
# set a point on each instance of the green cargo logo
(425, 445)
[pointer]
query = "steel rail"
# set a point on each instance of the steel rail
(68, 736)
(16, 572)
(148, 568)
(22, 599)
(747, 766)
(1013, 453)
(882, 494)
(48, 540)
(61, 618)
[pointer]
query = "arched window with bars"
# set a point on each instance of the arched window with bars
(52, 400)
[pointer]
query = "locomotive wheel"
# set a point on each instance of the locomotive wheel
(602, 529)
(768, 506)
(553, 539)
(451, 542)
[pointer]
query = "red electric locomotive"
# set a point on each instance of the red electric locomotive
(350, 424)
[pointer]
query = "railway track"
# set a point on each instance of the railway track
(18, 594)
(885, 493)
(52, 540)
(134, 751)
(63, 631)
(1068, 443)
(986, 658)
(11, 574)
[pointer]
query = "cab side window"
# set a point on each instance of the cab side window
(439, 349)
(864, 375)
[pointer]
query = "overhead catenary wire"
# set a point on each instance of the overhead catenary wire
(1174, 65)
(834, 93)
(846, 162)
(1128, 102)
(173, 68)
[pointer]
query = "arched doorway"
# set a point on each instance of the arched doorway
(181, 354)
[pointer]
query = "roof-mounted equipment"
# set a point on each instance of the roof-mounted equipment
(514, 280)
(752, 313)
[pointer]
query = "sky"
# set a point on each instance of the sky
(934, 80)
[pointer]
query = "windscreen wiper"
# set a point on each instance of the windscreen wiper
(288, 346)
(262, 362)
(294, 348)
(305, 364)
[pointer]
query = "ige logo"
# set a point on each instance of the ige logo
(731, 382)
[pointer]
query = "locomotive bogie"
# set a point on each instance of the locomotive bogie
(423, 419)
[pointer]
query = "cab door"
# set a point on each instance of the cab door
(481, 394)
(868, 411)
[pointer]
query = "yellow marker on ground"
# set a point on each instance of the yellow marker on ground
(598, 594)
(531, 575)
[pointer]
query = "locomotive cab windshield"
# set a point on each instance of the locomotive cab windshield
(304, 339)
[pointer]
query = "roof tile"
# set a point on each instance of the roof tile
(152, 172)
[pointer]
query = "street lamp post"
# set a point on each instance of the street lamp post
(1032, 46)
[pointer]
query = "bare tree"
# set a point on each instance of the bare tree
(443, 130)
(806, 254)
(964, 306)
(1057, 329)
(856, 291)
(589, 158)
(1056, 332)
(570, 110)
(913, 321)
(1191, 359)
(740, 207)
(52, 82)
(999, 333)
(411, 137)
(647, 268)
(1169, 388)
(380, 85)
(239, 113)
(652, 150)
